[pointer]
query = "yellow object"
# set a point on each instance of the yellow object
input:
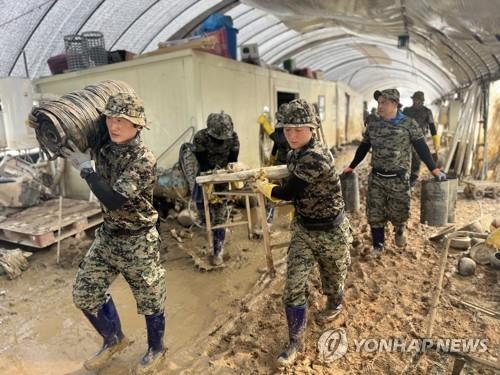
(264, 122)
(266, 188)
(436, 139)
(494, 239)
(292, 214)
(236, 185)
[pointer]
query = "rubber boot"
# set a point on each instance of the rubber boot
(378, 238)
(149, 363)
(333, 307)
(400, 237)
(219, 236)
(296, 319)
(107, 324)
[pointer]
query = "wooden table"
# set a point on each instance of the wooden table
(207, 183)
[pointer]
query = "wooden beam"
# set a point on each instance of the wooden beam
(272, 173)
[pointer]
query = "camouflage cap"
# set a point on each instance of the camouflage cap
(391, 94)
(127, 106)
(280, 115)
(300, 113)
(418, 95)
(220, 125)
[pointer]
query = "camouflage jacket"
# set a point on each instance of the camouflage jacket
(130, 169)
(392, 143)
(322, 198)
(422, 115)
(216, 151)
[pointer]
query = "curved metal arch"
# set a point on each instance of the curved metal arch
(260, 32)
(489, 72)
(250, 9)
(222, 5)
(438, 71)
(89, 17)
(134, 22)
(31, 36)
(424, 60)
(416, 71)
(432, 83)
(258, 17)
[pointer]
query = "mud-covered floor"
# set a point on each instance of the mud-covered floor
(217, 323)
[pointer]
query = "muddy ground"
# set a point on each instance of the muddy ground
(231, 321)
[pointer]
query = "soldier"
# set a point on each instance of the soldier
(372, 116)
(391, 138)
(127, 242)
(425, 119)
(215, 147)
(320, 233)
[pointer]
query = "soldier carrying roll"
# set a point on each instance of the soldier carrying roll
(127, 242)
(321, 232)
(391, 139)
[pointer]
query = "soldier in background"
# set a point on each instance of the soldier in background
(371, 117)
(423, 116)
(215, 147)
(281, 147)
(391, 139)
(320, 233)
(127, 242)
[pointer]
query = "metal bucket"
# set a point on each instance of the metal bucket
(435, 204)
(350, 191)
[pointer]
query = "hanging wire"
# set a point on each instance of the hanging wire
(76, 117)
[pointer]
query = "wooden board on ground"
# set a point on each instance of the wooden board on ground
(38, 226)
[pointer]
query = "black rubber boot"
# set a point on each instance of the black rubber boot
(296, 319)
(219, 237)
(400, 237)
(107, 324)
(149, 363)
(333, 307)
(378, 238)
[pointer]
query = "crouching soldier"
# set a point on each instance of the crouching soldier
(320, 233)
(127, 242)
(215, 147)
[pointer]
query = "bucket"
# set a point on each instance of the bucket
(434, 202)
(350, 191)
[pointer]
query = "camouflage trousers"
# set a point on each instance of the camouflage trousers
(329, 249)
(388, 199)
(415, 163)
(217, 211)
(137, 258)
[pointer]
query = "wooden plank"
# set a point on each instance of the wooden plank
(44, 240)
(43, 218)
(273, 173)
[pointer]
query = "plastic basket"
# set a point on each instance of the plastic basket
(76, 52)
(96, 49)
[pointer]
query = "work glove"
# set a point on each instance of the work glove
(436, 139)
(78, 159)
(439, 175)
(266, 188)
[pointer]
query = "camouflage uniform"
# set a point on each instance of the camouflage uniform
(321, 201)
(389, 198)
(127, 242)
(215, 143)
(281, 147)
(423, 116)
